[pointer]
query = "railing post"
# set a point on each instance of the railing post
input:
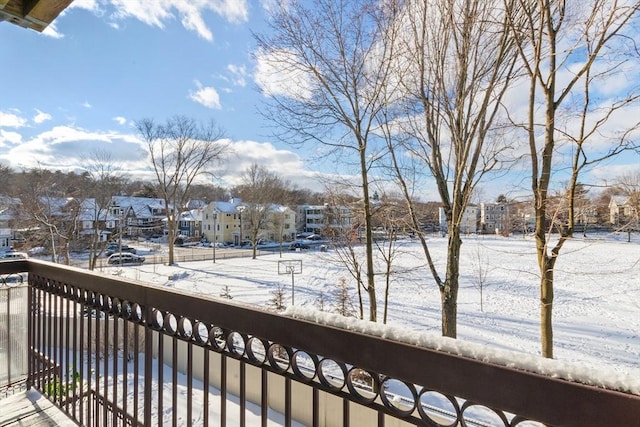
(148, 367)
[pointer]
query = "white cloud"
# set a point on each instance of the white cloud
(52, 31)
(120, 120)
(9, 138)
(288, 164)
(65, 147)
(90, 5)
(86, 104)
(206, 96)
(156, 13)
(41, 117)
(239, 73)
(276, 74)
(11, 120)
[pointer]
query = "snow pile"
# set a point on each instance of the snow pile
(570, 371)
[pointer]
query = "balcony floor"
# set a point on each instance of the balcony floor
(30, 408)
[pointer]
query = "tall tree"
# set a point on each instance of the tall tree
(332, 61)
(567, 49)
(455, 61)
(180, 151)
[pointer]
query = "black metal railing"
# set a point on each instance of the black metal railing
(13, 331)
(110, 351)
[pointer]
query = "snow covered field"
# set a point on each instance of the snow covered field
(597, 292)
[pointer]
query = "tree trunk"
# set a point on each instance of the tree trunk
(171, 236)
(371, 284)
(449, 290)
(546, 308)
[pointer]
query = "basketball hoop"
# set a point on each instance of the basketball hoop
(292, 267)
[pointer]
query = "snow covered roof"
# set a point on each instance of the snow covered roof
(141, 207)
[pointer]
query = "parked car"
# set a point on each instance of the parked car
(112, 248)
(124, 259)
(15, 255)
(298, 245)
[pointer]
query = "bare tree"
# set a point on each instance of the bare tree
(481, 269)
(180, 150)
(260, 188)
(456, 60)
(336, 53)
(566, 48)
(105, 182)
(45, 213)
(344, 234)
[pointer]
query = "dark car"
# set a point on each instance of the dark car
(298, 245)
(113, 248)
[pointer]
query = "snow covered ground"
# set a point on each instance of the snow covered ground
(596, 308)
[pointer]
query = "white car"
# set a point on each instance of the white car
(125, 258)
(15, 255)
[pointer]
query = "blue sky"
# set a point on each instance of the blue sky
(102, 65)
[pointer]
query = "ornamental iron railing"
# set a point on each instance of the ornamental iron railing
(111, 352)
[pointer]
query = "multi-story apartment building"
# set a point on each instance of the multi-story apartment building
(494, 218)
(223, 222)
(314, 218)
(469, 222)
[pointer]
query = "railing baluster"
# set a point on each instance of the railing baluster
(189, 384)
(160, 369)
(105, 361)
(74, 356)
(205, 389)
(114, 374)
(148, 367)
(136, 370)
(316, 403)
(287, 402)
(243, 393)
(223, 390)
(125, 367)
(50, 333)
(61, 368)
(90, 354)
(67, 363)
(345, 412)
(264, 397)
(174, 381)
(83, 377)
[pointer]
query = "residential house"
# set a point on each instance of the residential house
(90, 216)
(6, 215)
(283, 223)
(138, 216)
(314, 218)
(190, 223)
(221, 221)
(621, 210)
(8, 235)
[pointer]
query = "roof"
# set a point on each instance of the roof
(34, 14)
(142, 207)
